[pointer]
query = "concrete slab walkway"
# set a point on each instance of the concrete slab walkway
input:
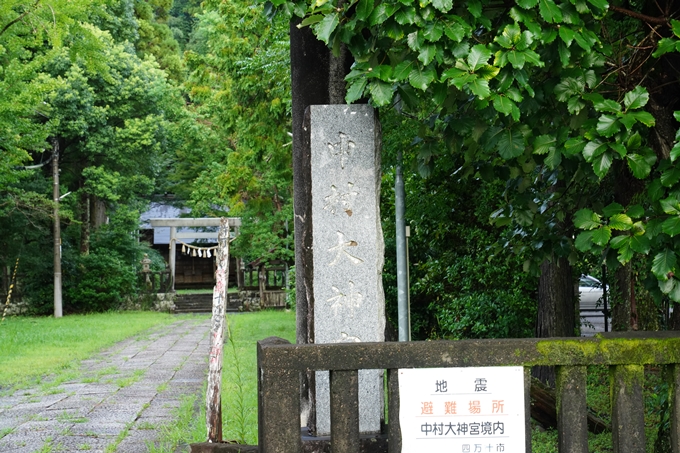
(120, 400)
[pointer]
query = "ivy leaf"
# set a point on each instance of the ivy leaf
(602, 163)
(584, 241)
(356, 90)
(663, 264)
(602, 235)
(608, 125)
(636, 98)
(620, 222)
(638, 166)
(543, 144)
(510, 144)
(381, 92)
(671, 226)
(478, 57)
(550, 11)
(324, 28)
(585, 219)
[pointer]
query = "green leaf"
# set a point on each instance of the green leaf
(543, 144)
(599, 4)
(427, 53)
(550, 11)
(670, 205)
(612, 209)
(422, 78)
(311, 20)
(620, 222)
(356, 90)
(585, 219)
(565, 54)
(608, 125)
(671, 226)
(619, 148)
(443, 5)
(666, 286)
(602, 163)
(480, 88)
(487, 72)
(324, 28)
(553, 159)
(516, 59)
(364, 9)
(454, 31)
(636, 98)
(593, 149)
(670, 177)
(527, 4)
(406, 15)
(638, 165)
(640, 244)
(634, 141)
(636, 211)
(381, 92)
(478, 57)
(655, 190)
(620, 241)
(567, 35)
(675, 152)
(664, 46)
(645, 118)
(574, 146)
(625, 253)
(675, 292)
(503, 104)
(510, 144)
(402, 70)
(584, 241)
(663, 264)
(602, 235)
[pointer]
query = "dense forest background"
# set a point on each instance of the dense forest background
(539, 143)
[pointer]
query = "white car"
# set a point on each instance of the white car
(590, 293)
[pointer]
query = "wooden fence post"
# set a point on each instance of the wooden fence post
(213, 397)
(572, 420)
(628, 417)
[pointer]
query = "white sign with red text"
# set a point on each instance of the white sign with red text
(462, 410)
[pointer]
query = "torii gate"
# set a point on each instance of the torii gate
(234, 222)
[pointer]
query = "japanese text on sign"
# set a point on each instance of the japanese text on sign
(462, 409)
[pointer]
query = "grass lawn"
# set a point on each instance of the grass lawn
(32, 347)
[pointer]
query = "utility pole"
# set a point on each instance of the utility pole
(57, 229)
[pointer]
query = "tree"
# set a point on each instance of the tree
(239, 87)
(527, 94)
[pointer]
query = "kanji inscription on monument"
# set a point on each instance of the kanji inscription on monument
(462, 410)
(347, 245)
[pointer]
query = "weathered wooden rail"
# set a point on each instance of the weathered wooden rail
(280, 366)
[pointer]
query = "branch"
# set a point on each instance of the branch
(4, 29)
(642, 17)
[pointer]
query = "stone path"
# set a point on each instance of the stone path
(120, 399)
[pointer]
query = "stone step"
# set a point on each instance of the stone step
(202, 303)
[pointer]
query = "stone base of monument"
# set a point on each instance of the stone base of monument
(310, 444)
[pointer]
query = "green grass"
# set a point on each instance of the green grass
(34, 347)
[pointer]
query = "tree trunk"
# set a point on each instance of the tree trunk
(623, 300)
(556, 317)
(85, 223)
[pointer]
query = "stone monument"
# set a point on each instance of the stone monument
(347, 247)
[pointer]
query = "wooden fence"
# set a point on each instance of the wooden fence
(280, 366)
